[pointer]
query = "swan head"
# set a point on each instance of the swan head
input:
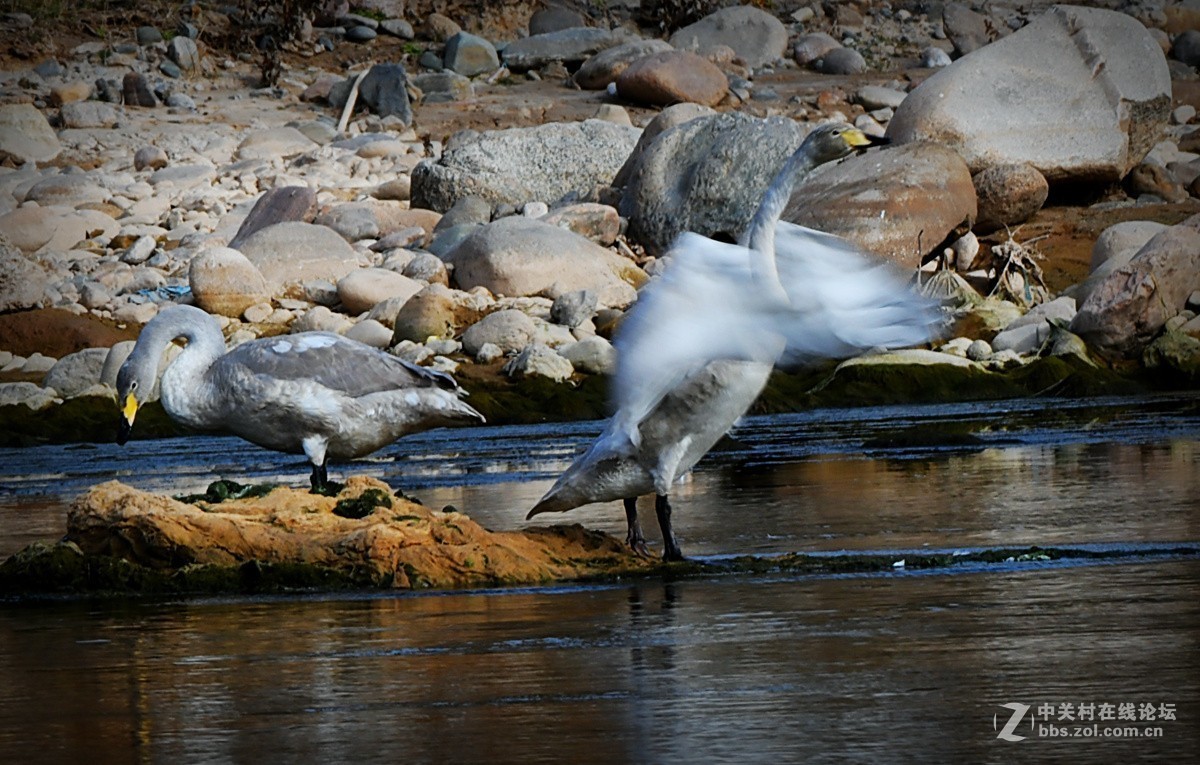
(836, 140)
(135, 381)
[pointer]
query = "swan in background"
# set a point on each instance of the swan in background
(312, 393)
(697, 347)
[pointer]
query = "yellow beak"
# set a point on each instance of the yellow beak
(128, 412)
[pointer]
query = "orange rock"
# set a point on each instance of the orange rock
(405, 545)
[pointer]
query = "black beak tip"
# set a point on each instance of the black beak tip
(123, 430)
(879, 140)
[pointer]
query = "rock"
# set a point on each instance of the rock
(184, 176)
(706, 175)
(370, 332)
(68, 190)
(136, 91)
(436, 311)
(117, 355)
(979, 350)
(573, 308)
(1131, 305)
(1175, 352)
(360, 34)
(518, 256)
(397, 28)
(183, 51)
(466, 211)
(1186, 47)
(94, 295)
(75, 372)
(874, 97)
(28, 394)
(385, 91)
(257, 313)
(593, 355)
(293, 252)
(147, 35)
(487, 353)
(1149, 178)
(1008, 195)
(23, 281)
(25, 135)
(321, 319)
(965, 28)
(899, 203)
(364, 537)
(1061, 309)
(537, 360)
(352, 221)
(149, 157)
(607, 65)
(756, 36)
(934, 58)
(841, 61)
(597, 222)
(398, 189)
(224, 281)
(1118, 243)
(140, 251)
(440, 28)
(554, 19)
(470, 55)
(666, 119)
(570, 46)
(510, 330)
(661, 79)
(276, 142)
(517, 165)
(170, 69)
(54, 229)
(37, 363)
(427, 268)
(1086, 95)
(1182, 115)
(361, 290)
(441, 87)
(813, 47)
(277, 205)
(70, 92)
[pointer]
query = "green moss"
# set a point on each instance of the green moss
(362, 505)
(87, 418)
(221, 490)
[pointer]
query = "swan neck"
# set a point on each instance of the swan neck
(760, 236)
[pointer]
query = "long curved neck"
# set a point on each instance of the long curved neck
(760, 234)
(204, 346)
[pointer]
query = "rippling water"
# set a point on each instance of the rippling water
(737, 668)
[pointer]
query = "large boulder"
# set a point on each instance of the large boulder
(519, 165)
(25, 135)
(76, 372)
(706, 175)
(1082, 94)
(23, 281)
(671, 77)
(1125, 311)
(518, 256)
(224, 282)
(755, 36)
(1008, 195)
(294, 251)
(604, 67)
(282, 203)
(362, 290)
(509, 330)
(900, 203)
(666, 119)
(437, 311)
(470, 55)
(570, 46)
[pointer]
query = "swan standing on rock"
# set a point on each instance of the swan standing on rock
(699, 344)
(312, 393)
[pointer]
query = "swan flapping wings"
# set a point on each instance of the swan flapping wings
(711, 303)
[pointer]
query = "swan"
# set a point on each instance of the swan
(698, 346)
(312, 393)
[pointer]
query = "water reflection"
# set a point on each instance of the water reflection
(762, 670)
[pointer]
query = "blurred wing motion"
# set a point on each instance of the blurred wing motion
(703, 307)
(707, 306)
(844, 301)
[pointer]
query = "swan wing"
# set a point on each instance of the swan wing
(332, 361)
(845, 301)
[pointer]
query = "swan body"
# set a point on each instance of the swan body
(698, 346)
(312, 393)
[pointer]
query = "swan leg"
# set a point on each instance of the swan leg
(662, 508)
(634, 537)
(320, 478)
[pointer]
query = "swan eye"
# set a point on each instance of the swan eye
(133, 385)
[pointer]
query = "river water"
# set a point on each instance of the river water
(738, 668)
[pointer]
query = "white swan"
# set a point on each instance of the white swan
(698, 346)
(312, 393)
